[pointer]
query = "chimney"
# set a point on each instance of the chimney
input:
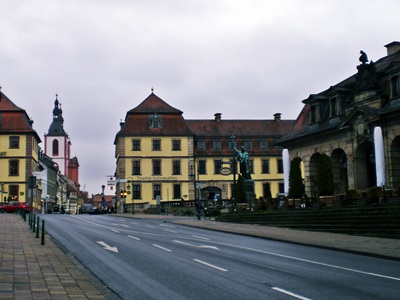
(218, 117)
(392, 47)
(277, 117)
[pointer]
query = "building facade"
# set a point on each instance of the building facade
(341, 122)
(19, 153)
(161, 158)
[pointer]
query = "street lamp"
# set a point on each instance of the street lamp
(123, 197)
(234, 167)
(129, 181)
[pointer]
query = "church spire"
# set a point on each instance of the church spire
(56, 127)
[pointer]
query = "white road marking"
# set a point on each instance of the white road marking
(200, 237)
(196, 246)
(134, 223)
(124, 225)
(169, 230)
(150, 226)
(210, 265)
(134, 237)
(108, 247)
(162, 248)
(165, 225)
(115, 230)
(290, 293)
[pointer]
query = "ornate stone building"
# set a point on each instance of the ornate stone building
(340, 122)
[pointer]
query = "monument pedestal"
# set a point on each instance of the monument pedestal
(249, 190)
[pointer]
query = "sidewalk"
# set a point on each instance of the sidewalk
(29, 270)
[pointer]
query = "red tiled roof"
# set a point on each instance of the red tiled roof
(252, 128)
(14, 119)
(154, 104)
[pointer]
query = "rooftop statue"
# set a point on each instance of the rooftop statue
(363, 58)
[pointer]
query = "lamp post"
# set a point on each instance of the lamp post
(234, 168)
(129, 181)
(123, 197)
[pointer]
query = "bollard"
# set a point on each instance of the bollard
(34, 223)
(42, 243)
(30, 220)
(37, 228)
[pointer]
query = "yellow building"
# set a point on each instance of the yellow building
(18, 152)
(164, 159)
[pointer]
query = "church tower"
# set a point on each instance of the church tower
(56, 142)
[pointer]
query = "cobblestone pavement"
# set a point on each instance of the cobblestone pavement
(29, 270)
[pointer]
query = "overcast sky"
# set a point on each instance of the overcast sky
(245, 59)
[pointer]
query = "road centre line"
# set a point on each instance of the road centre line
(115, 230)
(169, 230)
(134, 237)
(290, 293)
(162, 248)
(310, 261)
(124, 225)
(150, 226)
(210, 265)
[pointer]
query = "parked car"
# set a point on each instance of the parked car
(15, 206)
(88, 208)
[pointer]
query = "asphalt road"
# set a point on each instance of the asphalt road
(155, 259)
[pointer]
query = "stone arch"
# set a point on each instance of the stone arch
(364, 164)
(314, 174)
(339, 170)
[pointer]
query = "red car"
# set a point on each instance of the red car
(15, 206)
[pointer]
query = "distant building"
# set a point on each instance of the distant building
(57, 146)
(341, 121)
(164, 159)
(19, 152)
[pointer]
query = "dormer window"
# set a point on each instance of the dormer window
(155, 121)
(333, 107)
(395, 85)
(314, 114)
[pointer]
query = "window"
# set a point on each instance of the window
(14, 142)
(395, 86)
(217, 166)
(136, 167)
(216, 145)
(248, 145)
(55, 148)
(176, 167)
(231, 145)
(201, 145)
(333, 107)
(314, 114)
(136, 191)
(156, 145)
(251, 169)
(176, 145)
(281, 187)
(13, 167)
(135, 145)
(13, 192)
(156, 167)
(265, 166)
(156, 191)
(264, 145)
(280, 166)
(202, 167)
(155, 121)
(177, 191)
(266, 190)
